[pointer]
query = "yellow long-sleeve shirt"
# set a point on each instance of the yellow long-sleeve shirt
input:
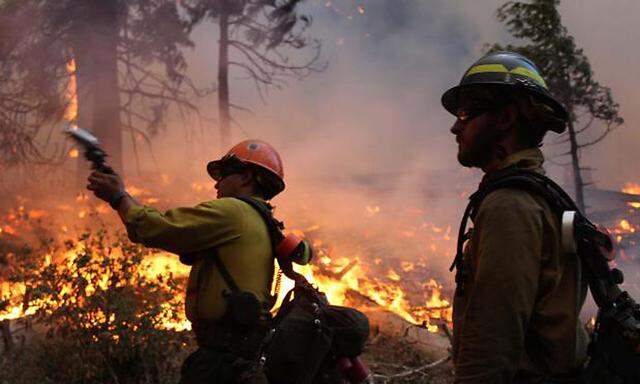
(230, 226)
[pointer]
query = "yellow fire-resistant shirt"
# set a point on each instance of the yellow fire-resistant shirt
(229, 225)
(516, 318)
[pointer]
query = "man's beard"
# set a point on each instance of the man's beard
(480, 151)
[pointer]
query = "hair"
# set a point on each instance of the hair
(264, 184)
(535, 117)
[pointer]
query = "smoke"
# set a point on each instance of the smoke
(607, 32)
(369, 131)
(368, 154)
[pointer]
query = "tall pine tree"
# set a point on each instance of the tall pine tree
(544, 39)
(257, 38)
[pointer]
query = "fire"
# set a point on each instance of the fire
(8, 229)
(153, 266)
(362, 278)
(71, 93)
(162, 262)
(624, 224)
(372, 210)
(631, 188)
(73, 153)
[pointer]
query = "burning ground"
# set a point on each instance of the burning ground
(67, 268)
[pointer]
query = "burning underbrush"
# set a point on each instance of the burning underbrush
(73, 286)
(359, 269)
(83, 293)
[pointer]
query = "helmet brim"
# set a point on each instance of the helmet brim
(450, 99)
(214, 169)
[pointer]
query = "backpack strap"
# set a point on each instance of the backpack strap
(602, 281)
(224, 272)
(510, 177)
(275, 228)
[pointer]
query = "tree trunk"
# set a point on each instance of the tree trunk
(98, 91)
(575, 162)
(223, 82)
(106, 112)
(85, 93)
(5, 327)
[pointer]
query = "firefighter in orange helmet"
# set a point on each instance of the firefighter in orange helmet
(225, 236)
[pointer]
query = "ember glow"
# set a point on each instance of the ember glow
(633, 189)
(360, 278)
(71, 93)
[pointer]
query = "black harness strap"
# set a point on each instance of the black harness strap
(275, 228)
(510, 177)
(224, 272)
(274, 233)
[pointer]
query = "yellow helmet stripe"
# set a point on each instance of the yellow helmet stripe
(530, 74)
(499, 68)
(484, 68)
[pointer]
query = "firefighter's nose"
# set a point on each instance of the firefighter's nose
(456, 128)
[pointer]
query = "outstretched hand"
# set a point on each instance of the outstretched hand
(104, 185)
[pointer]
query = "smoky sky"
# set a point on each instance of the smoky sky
(376, 107)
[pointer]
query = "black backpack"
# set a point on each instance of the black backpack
(614, 349)
(307, 335)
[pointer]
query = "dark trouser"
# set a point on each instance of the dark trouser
(561, 379)
(225, 355)
(207, 366)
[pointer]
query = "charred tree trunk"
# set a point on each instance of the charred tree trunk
(7, 338)
(223, 82)
(575, 163)
(98, 91)
(106, 123)
(85, 93)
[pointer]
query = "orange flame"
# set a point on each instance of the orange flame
(71, 93)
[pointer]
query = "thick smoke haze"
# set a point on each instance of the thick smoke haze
(369, 130)
(376, 108)
(609, 33)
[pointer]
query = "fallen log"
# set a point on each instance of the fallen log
(431, 345)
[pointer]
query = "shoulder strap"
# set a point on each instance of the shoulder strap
(224, 272)
(513, 177)
(272, 225)
(275, 228)
(536, 183)
(602, 281)
(265, 210)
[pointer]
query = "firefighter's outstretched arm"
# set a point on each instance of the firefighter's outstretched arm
(179, 230)
(110, 188)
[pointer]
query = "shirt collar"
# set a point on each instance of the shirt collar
(530, 159)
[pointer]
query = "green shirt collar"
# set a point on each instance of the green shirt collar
(530, 159)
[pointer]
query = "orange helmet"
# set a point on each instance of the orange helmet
(255, 153)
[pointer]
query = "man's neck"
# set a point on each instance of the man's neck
(500, 153)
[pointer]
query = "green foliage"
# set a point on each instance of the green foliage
(102, 315)
(565, 66)
(568, 73)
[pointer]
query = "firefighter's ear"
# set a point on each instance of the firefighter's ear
(507, 118)
(246, 178)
